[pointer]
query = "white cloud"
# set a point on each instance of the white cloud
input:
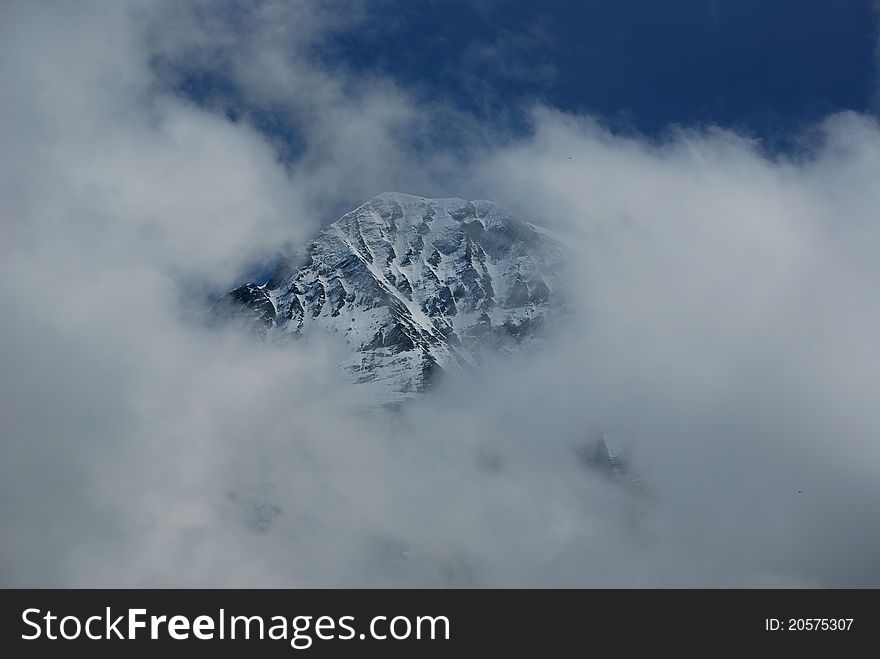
(727, 330)
(726, 336)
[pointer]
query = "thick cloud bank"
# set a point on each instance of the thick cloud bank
(725, 337)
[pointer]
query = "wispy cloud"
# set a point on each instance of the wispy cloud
(725, 334)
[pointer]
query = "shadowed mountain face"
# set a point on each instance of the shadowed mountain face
(416, 286)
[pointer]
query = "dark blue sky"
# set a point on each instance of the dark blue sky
(763, 66)
(767, 68)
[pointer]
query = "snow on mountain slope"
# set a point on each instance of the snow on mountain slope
(416, 286)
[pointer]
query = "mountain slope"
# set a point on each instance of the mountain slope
(416, 286)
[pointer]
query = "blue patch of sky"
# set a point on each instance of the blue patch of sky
(214, 89)
(767, 68)
(764, 67)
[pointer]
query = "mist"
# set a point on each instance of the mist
(723, 334)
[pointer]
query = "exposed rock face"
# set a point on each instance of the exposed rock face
(249, 305)
(416, 286)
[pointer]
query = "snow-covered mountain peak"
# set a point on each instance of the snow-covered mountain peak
(417, 286)
(396, 210)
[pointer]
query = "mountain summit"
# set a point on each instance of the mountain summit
(416, 286)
